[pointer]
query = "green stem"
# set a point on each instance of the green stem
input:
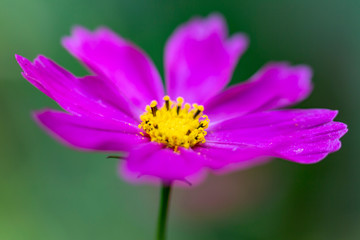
(163, 211)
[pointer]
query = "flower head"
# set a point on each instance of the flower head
(199, 124)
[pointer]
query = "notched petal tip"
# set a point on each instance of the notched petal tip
(18, 57)
(304, 136)
(305, 83)
(216, 17)
(318, 143)
(77, 35)
(74, 37)
(200, 53)
(217, 22)
(295, 81)
(80, 34)
(340, 129)
(24, 64)
(22, 61)
(238, 42)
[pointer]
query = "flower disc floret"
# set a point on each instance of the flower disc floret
(175, 124)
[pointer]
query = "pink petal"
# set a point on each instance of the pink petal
(108, 55)
(275, 85)
(89, 134)
(224, 157)
(155, 160)
(88, 96)
(200, 58)
(303, 136)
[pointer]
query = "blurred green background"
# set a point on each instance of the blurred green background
(48, 191)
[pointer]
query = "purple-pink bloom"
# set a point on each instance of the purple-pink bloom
(248, 124)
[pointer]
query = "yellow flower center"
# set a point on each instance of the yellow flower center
(175, 124)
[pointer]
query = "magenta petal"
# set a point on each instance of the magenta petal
(275, 85)
(200, 58)
(223, 157)
(89, 134)
(304, 136)
(153, 159)
(88, 96)
(108, 55)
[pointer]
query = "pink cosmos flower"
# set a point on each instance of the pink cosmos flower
(124, 107)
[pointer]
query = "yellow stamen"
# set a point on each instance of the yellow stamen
(167, 102)
(175, 124)
(153, 106)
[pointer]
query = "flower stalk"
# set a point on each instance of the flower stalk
(163, 211)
